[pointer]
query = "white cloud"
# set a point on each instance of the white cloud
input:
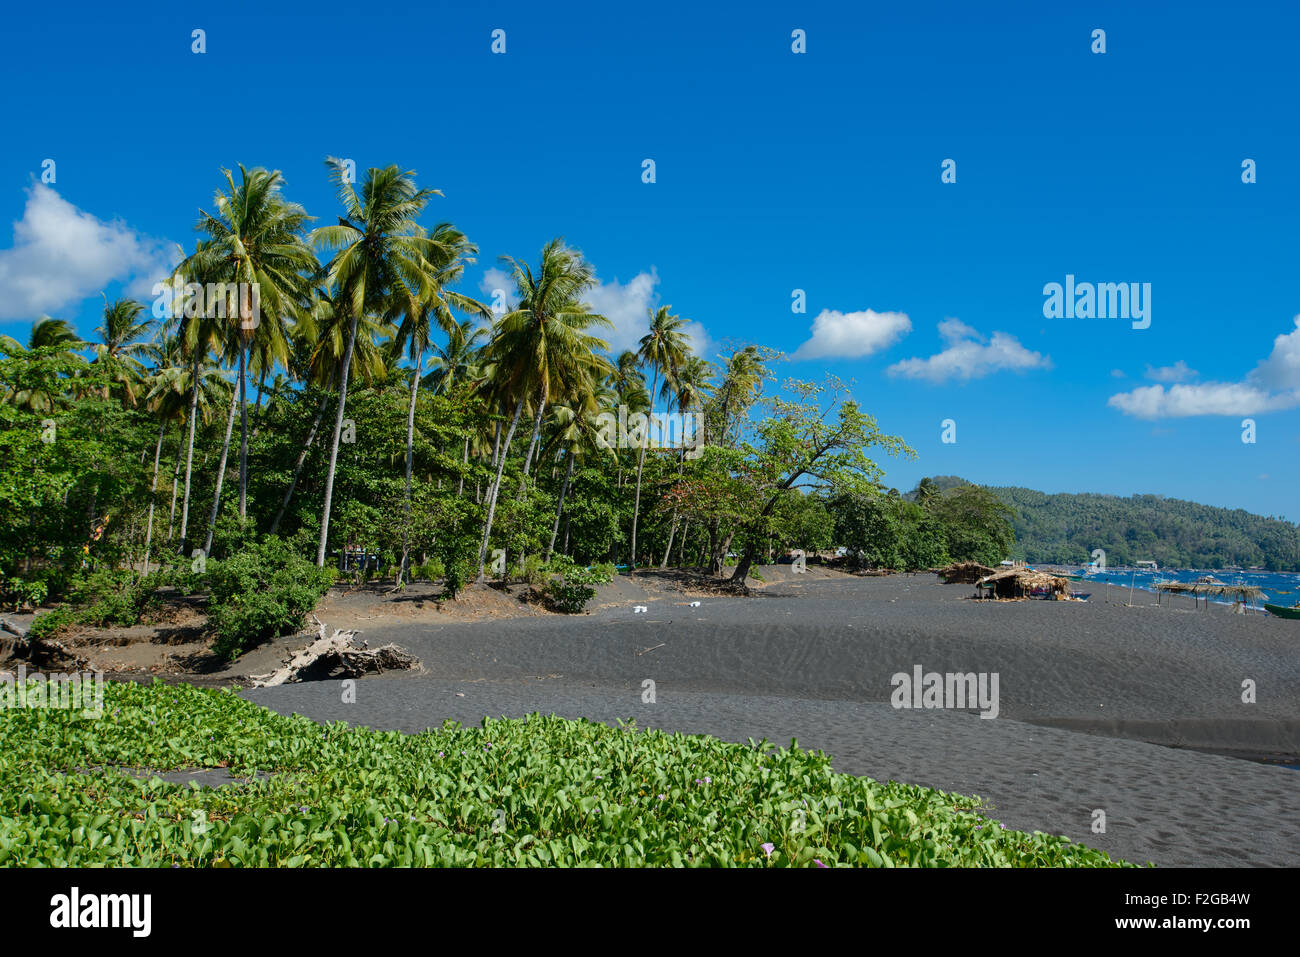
(1281, 370)
(627, 305)
(1178, 372)
(1273, 385)
(852, 335)
(968, 356)
(1206, 398)
(61, 255)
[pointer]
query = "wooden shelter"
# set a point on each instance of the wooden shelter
(1244, 594)
(1022, 583)
(964, 573)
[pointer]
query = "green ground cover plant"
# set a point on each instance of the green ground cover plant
(540, 791)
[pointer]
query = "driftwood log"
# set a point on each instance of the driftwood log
(339, 655)
(41, 652)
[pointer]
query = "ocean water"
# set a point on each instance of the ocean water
(1280, 588)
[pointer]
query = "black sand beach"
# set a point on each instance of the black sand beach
(1084, 688)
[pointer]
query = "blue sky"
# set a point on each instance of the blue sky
(775, 171)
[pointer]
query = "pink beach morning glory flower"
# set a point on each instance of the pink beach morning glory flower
(768, 848)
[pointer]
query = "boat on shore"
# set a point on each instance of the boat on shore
(1282, 611)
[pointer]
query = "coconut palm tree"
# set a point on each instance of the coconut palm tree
(46, 333)
(198, 339)
(255, 241)
(123, 338)
(662, 349)
(321, 340)
(415, 332)
(458, 360)
(690, 389)
(538, 346)
(381, 254)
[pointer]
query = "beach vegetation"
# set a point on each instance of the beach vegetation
(531, 792)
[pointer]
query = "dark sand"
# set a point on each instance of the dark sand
(1083, 688)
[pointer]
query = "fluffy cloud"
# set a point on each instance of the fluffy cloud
(852, 335)
(1281, 370)
(968, 356)
(61, 254)
(1178, 372)
(1205, 398)
(627, 305)
(1273, 385)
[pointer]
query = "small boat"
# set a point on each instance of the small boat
(1209, 580)
(1281, 611)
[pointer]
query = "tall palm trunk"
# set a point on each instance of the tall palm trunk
(243, 433)
(176, 480)
(464, 459)
(559, 509)
(334, 444)
(189, 454)
(495, 489)
(640, 465)
(410, 453)
(153, 490)
(297, 466)
(221, 473)
(533, 439)
(672, 531)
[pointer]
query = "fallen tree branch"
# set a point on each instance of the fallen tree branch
(339, 656)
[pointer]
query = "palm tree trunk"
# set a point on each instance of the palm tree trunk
(153, 490)
(672, 531)
(640, 465)
(221, 472)
(464, 459)
(334, 444)
(533, 440)
(243, 433)
(410, 452)
(495, 489)
(176, 480)
(189, 454)
(555, 529)
(297, 467)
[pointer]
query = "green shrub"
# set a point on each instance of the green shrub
(571, 593)
(49, 624)
(111, 597)
(260, 592)
(454, 578)
(17, 593)
(535, 572)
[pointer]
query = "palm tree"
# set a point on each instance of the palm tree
(381, 254)
(46, 333)
(415, 332)
(539, 345)
(572, 421)
(321, 340)
(122, 340)
(458, 360)
(690, 389)
(255, 240)
(198, 337)
(662, 348)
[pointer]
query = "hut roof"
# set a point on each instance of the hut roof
(967, 572)
(1022, 579)
(1202, 589)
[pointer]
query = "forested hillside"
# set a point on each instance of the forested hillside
(1066, 528)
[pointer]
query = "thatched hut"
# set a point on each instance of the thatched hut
(964, 573)
(1022, 583)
